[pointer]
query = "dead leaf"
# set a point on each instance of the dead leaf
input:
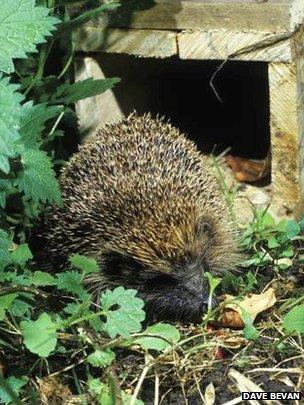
(253, 304)
(247, 170)
(231, 341)
(209, 396)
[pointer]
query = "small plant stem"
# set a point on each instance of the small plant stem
(85, 318)
(156, 389)
(14, 289)
(68, 63)
(56, 123)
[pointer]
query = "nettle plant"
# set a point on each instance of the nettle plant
(34, 105)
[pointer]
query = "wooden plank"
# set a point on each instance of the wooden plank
(146, 43)
(93, 111)
(285, 134)
(298, 43)
(221, 44)
(181, 15)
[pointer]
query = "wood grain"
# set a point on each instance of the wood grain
(220, 44)
(179, 15)
(146, 43)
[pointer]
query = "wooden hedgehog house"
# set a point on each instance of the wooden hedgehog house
(167, 52)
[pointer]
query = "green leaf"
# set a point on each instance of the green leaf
(5, 187)
(40, 336)
(6, 302)
(37, 180)
(129, 315)
(70, 281)
(70, 93)
(266, 220)
(273, 243)
(250, 332)
(101, 392)
(293, 321)
(15, 384)
(5, 244)
(22, 27)
(126, 399)
(289, 227)
(101, 358)
(19, 308)
(287, 252)
(32, 122)
(86, 264)
(163, 330)
(21, 254)
(10, 109)
(42, 279)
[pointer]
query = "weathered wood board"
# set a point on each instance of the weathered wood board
(267, 16)
(145, 43)
(221, 44)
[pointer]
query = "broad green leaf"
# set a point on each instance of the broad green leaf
(19, 308)
(160, 330)
(101, 358)
(21, 254)
(37, 180)
(32, 122)
(22, 27)
(40, 336)
(6, 302)
(70, 93)
(10, 109)
(42, 279)
(15, 384)
(86, 264)
(70, 281)
(129, 315)
(293, 321)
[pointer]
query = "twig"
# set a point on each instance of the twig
(275, 370)
(156, 389)
(140, 382)
(262, 43)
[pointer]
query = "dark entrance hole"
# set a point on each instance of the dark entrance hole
(181, 91)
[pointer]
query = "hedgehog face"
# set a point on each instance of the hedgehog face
(169, 277)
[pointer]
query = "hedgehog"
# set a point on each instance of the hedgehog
(145, 203)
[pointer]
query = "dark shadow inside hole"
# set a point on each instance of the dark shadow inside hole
(181, 91)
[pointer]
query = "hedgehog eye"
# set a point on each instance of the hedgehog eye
(204, 228)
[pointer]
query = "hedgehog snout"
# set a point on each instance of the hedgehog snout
(180, 298)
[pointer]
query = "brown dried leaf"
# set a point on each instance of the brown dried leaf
(247, 170)
(253, 304)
